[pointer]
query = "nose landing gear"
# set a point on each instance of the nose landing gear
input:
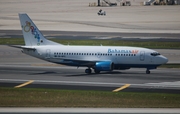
(148, 71)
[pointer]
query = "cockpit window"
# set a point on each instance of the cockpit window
(155, 54)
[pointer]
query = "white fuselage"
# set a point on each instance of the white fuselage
(121, 56)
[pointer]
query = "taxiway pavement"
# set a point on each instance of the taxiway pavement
(61, 77)
(68, 15)
(79, 35)
(17, 68)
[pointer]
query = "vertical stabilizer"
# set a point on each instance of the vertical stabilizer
(32, 35)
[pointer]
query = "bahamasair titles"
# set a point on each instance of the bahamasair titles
(97, 58)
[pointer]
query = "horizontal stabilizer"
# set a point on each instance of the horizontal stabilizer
(23, 47)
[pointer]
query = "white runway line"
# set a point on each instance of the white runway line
(166, 84)
(93, 110)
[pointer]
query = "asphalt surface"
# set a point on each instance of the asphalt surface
(61, 77)
(75, 35)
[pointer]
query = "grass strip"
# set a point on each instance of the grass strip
(169, 65)
(26, 97)
(146, 44)
(12, 41)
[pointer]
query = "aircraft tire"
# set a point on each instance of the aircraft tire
(88, 71)
(148, 72)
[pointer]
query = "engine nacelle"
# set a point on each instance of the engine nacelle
(104, 66)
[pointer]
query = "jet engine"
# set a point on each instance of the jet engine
(104, 66)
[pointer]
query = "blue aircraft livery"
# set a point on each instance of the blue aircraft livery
(34, 31)
(122, 51)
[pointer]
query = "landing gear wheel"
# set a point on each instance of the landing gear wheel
(88, 71)
(148, 72)
(96, 71)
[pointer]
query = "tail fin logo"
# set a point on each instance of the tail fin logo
(34, 32)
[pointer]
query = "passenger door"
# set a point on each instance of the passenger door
(48, 53)
(142, 55)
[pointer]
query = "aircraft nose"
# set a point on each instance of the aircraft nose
(165, 60)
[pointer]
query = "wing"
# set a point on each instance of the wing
(88, 63)
(23, 47)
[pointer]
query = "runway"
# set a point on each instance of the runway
(61, 77)
(17, 68)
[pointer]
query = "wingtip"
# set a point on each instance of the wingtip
(21, 13)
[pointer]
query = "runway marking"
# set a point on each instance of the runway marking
(66, 82)
(24, 84)
(173, 84)
(121, 88)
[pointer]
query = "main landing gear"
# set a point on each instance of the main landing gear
(89, 71)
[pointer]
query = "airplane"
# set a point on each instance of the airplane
(97, 58)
